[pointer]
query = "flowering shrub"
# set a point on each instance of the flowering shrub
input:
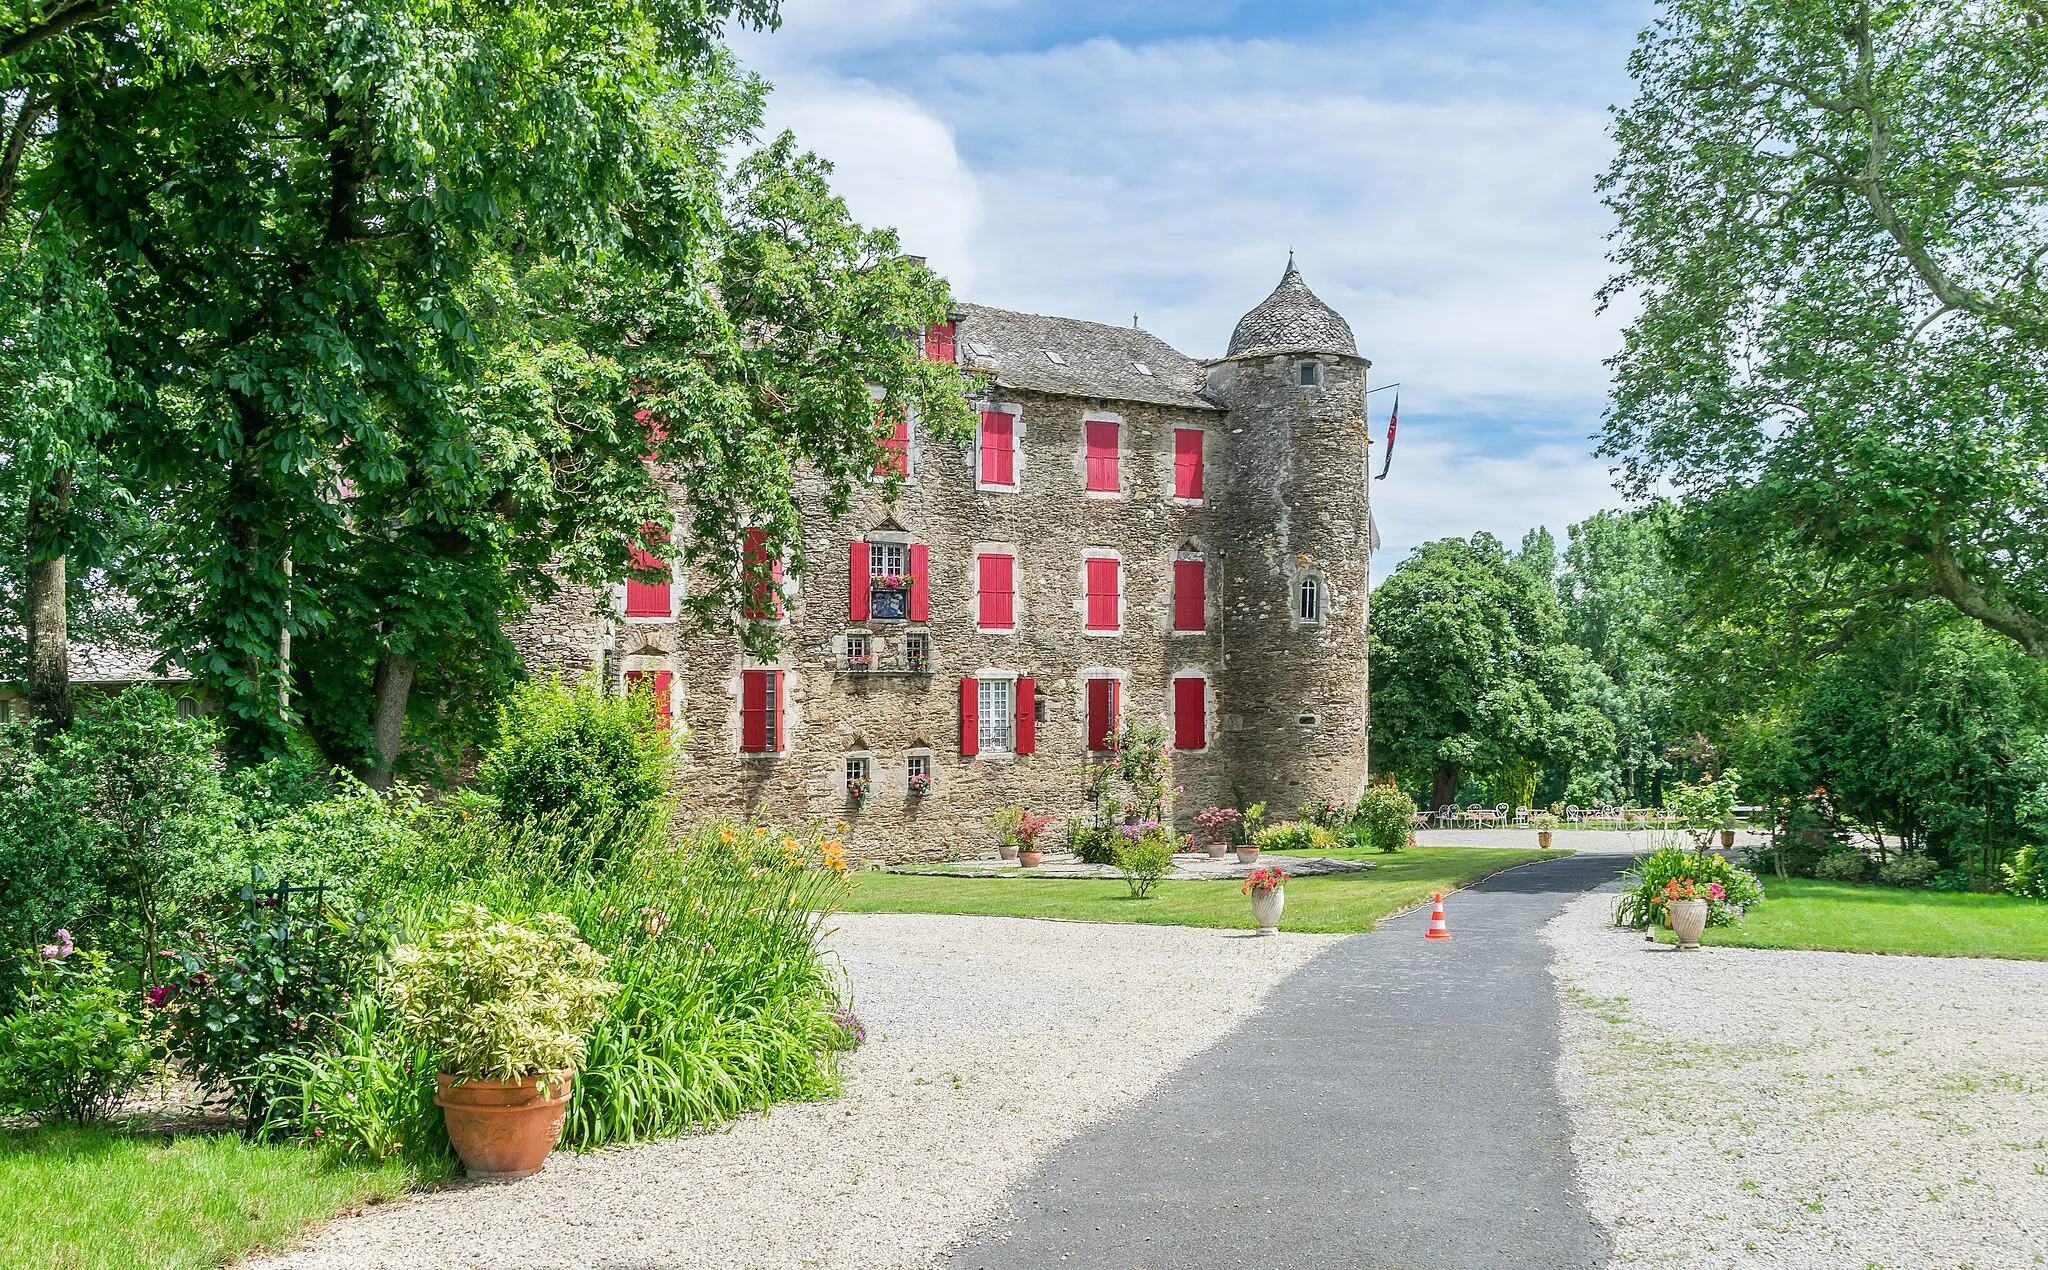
(73, 1047)
(1271, 878)
(1678, 890)
(858, 787)
(1016, 827)
(860, 661)
(890, 581)
(1220, 824)
(1327, 814)
(1645, 901)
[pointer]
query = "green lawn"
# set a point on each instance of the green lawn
(78, 1198)
(1840, 917)
(1342, 904)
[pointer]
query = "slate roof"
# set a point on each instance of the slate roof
(1094, 360)
(1292, 320)
(116, 663)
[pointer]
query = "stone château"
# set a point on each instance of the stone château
(1131, 533)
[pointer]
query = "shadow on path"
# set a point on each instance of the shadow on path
(1391, 1106)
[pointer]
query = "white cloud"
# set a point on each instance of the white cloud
(1439, 488)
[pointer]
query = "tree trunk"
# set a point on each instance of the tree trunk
(46, 615)
(1444, 786)
(390, 689)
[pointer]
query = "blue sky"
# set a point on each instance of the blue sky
(1430, 164)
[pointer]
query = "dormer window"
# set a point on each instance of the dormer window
(1053, 357)
(1311, 374)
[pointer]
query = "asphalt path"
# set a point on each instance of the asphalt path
(1391, 1106)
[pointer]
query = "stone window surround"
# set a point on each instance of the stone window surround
(984, 677)
(1082, 678)
(842, 774)
(1123, 591)
(1123, 456)
(931, 767)
(1017, 448)
(1174, 428)
(1209, 713)
(1308, 373)
(1296, 579)
(677, 581)
(786, 721)
(1016, 586)
(1209, 576)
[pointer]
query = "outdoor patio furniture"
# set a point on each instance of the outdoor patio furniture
(1522, 817)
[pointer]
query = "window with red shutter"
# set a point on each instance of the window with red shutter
(1026, 737)
(649, 599)
(970, 717)
(998, 448)
(1190, 595)
(1102, 455)
(657, 431)
(660, 683)
(1102, 724)
(896, 459)
(1187, 462)
(764, 578)
(938, 343)
(997, 591)
(920, 583)
(1104, 591)
(1190, 712)
(761, 729)
(857, 582)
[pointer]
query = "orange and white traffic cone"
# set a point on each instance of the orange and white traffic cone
(1438, 928)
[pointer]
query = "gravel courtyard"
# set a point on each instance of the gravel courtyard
(990, 1041)
(1741, 1108)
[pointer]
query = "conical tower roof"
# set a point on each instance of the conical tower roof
(1292, 320)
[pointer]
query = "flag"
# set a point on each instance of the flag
(1393, 421)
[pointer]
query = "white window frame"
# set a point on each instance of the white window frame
(1016, 413)
(1123, 592)
(996, 729)
(1016, 586)
(1123, 447)
(858, 643)
(865, 762)
(931, 770)
(1300, 586)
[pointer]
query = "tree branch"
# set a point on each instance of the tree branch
(1971, 600)
(17, 140)
(54, 24)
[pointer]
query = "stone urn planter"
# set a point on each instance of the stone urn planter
(1727, 840)
(504, 1129)
(1543, 839)
(1246, 855)
(1030, 859)
(1688, 921)
(1217, 850)
(1007, 850)
(1266, 908)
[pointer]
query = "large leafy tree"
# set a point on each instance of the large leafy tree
(1471, 676)
(408, 294)
(1834, 217)
(1620, 603)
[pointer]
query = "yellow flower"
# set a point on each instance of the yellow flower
(835, 858)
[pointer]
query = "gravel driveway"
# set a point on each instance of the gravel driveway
(990, 1041)
(1746, 1108)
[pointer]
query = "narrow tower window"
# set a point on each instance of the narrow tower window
(1311, 373)
(1308, 603)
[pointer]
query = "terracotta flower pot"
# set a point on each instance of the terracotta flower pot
(1727, 839)
(504, 1128)
(1543, 839)
(1217, 850)
(1007, 850)
(1030, 859)
(1266, 906)
(1245, 855)
(1688, 921)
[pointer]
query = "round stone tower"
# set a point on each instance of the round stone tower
(1295, 556)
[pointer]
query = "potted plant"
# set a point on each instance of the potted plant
(1248, 827)
(858, 662)
(1546, 824)
(505, 1006)
(920, 661)
(920, 784)
(1685, 907)
(857, 788)
(1268, 889)
(1219, 825)
(1017, 834)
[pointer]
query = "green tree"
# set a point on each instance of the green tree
(1831, 216)
(1470, 672)
(1617, 596)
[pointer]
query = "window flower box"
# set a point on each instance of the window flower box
(920, 784)
(861, 662)
(857, 788)
(889, 596)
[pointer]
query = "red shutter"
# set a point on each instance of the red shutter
(660, 681)
(1190, 599)
(647, 599)
(1102, 594)
(657, 431)
(857, 582)
(1027, 716)
(938, 342)
(998, 433)
(998, 592)
(1102, 446)
(896, 459)
(920, 583)
(754, 690)
(970, 717)
(765, 596)
(778, 735)
(1190, 712)
(1187, 462)
(1101, 714)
